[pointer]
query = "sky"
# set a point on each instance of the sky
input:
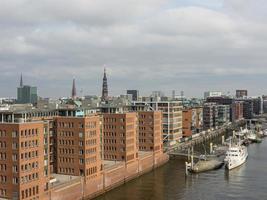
(183, 45)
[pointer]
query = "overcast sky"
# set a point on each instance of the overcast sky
(189, 45)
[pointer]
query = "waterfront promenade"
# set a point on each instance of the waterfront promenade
(202, 137)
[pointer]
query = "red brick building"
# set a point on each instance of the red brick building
(238, 110)
(24, 160)
(150, 131)
(78, 151)
(192, 121)
(120, 136)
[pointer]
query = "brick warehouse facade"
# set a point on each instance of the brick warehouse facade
(69, 153)
(120, 136)
(24, 169)
(78, 146)
(150, 131)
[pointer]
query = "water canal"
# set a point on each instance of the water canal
(169, 182)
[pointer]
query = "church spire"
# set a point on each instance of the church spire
(73, 91)
(21, 81)
(105, 87)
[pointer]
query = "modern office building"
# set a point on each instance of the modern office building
(134, 93)
(223, 114)
(224, 100)
(26, 94)
(210, 116)
(241, 93)
(248, 109)
(172, 117)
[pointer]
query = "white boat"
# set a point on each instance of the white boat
(235, 156)
(252, 136)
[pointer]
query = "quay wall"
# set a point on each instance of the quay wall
(111, 178)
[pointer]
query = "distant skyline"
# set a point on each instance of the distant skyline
(189, 45)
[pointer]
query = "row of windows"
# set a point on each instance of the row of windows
(23, 133)
(66, 170)
(29, 133)
(30, 177)
(81, 125)
(66, 142)
(90, 125)
(91, 171)
(65, 124)
(113, 127)
(29, 166)
(145, 148)
(32, 143)
(30, 192)
(110, 148)
(110, 134)
(90, 142)
(66, 133)
(66, 151)
(67, 160)
(90, 160)
(113, 119)
(29, 155)
(90, 151)
(113, 141)
(111, 157)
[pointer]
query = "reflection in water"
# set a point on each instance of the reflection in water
(248, 181)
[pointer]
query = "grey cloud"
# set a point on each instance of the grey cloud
(145, 44)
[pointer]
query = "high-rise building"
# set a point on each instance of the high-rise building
(241, 93)
(26, 93)
(120, 137)
(24, 160)
(105, 87)
(78, 144)
(134, 93)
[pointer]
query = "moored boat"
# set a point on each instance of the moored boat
(235, 156)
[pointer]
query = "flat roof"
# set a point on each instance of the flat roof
(61, 179)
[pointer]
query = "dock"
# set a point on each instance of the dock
(180, 149)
